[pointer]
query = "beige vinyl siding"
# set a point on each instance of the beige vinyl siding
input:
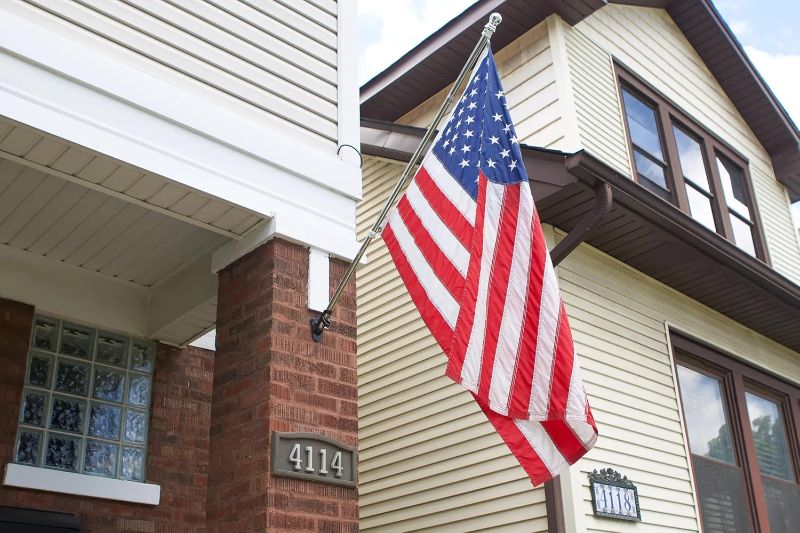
(618, 318)
(597, 104)
(648, 42)
(529, 79)
(272, 60)
(428, 458)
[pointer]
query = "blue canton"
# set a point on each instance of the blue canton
(479, 135)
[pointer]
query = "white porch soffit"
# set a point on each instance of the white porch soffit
(103, 228)
(71, 163)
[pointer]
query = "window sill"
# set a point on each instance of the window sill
(30, 477)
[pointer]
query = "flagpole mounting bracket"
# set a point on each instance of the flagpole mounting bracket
(320, 324)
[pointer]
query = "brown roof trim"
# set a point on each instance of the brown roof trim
(725, 57)
(663, 242)
(434, 63)
(586, 166)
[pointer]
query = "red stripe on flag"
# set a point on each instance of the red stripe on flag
(430, 314)
(568, 444)
(519, 445)
(466, 315)
(519, 406)
(443, 207)
(498, 284)
(563, 359)
(439, 262)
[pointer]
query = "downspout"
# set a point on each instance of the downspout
(602, 205)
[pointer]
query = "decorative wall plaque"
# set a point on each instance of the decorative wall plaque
(313, 457)
(614, 495)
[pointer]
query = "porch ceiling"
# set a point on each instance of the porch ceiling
(59, 158)
(70, 217)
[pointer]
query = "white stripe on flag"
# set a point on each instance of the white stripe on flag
(470, 372)
(440, 233)
(545, 341)
(583, 431)
(513, 321)
(576, 401)
(450, 187)
(437, 293)
(541, 443)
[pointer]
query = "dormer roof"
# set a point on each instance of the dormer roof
(434, 63)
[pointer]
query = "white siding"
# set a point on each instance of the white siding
(428, 458)
(618, 318)
(529, 79)
(597, 104)
(274, 59)
(648, 42)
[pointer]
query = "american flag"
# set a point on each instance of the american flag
(467, 242)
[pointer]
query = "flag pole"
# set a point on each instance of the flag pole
(319, 324)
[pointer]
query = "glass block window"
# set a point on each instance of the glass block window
(86, 402)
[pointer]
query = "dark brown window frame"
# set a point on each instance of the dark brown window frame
(668, 115)
(737, 377)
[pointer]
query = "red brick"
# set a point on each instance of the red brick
(177, 442)
(263, 330)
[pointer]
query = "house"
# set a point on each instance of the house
(663, 169)
(168, 167)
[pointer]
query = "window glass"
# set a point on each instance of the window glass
(649, 169)
(704, 411)
(769, 436)
(700, 208)
(720, 483)
(691, 157)
(743, 235)
(643, 125)
(733, 186)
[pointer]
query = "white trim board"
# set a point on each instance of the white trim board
(31, 477)
(68, 89)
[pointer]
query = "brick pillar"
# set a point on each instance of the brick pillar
(15, 330)
(177, 449)
(270, 376)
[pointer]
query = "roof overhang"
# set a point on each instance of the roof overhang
(658, 239)
(639, 229)
(435, 62)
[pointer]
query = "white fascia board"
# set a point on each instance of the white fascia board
(208, 341)
(347, 83)
(66, 290)
(318, 279)
(70, 90)
(31, 477)
(311, 230)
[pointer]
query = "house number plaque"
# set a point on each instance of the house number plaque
(313, 457)
(614, 495)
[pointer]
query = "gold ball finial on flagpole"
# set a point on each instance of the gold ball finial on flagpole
(494, 20)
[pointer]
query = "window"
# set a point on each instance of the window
(743, 438)
(682, 163)
(85, 405)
